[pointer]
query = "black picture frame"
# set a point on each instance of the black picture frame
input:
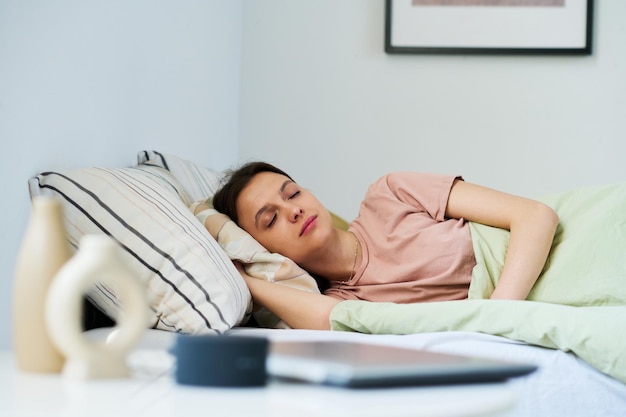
(579, 44)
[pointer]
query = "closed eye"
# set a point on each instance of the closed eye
(271, 221)
(294, 195)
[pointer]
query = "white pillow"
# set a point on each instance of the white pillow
(199, 182)
(192, 286)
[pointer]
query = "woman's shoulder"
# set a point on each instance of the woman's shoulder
(414, 178)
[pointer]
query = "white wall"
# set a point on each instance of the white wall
(322, 100)
(90, 82)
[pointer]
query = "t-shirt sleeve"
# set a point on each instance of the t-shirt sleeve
(418, 191)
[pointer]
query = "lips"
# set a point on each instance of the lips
(308, 225)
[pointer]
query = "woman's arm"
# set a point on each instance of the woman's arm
(532, 225)
(299, 309)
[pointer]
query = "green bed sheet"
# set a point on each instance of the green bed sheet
(578, 304)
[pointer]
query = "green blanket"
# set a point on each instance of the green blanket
(577, 305)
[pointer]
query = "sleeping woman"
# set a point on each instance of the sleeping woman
(411, 241)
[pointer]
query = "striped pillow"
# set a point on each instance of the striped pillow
(199, 182)
(192, 285)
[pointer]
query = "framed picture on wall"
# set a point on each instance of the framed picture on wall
(488, 26)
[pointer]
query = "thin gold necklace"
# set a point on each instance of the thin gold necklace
(356, 253)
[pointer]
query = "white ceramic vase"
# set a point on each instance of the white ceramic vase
(98, 260)
(43, 252)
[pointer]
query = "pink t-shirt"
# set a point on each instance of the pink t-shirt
(410, 251)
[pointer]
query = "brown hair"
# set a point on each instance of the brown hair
(225, 199)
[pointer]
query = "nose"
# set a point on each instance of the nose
(295, 213)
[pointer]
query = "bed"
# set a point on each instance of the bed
(193, 288)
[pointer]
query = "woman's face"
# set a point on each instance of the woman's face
(284, 217)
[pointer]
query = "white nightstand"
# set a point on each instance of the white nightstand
(153, 392)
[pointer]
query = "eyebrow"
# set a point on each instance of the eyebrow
(265, 207)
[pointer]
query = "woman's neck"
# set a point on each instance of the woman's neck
(340, 259)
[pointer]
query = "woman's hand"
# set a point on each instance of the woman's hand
(532, 225)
